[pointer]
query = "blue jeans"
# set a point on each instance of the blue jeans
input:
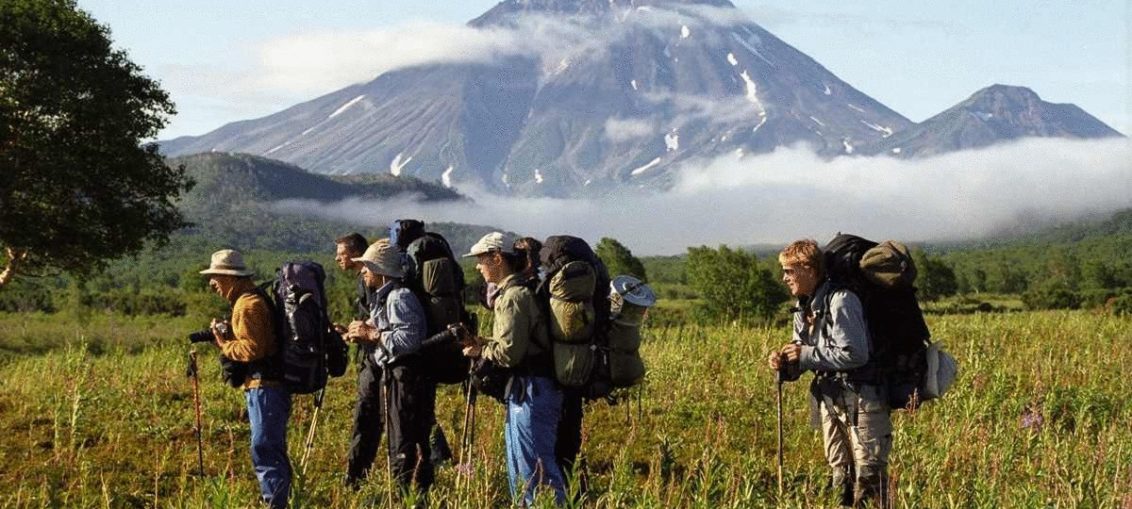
(268, 411)
(534, 405)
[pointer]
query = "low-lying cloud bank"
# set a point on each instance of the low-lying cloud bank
(791, 193)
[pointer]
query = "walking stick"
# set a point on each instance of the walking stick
(778, 382)
(386, 381)
(193, 375)
(468, 434)
(310, 433)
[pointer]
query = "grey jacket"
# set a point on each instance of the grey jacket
(399, 316)
(836, 339)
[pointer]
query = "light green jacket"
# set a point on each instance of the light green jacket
(519, 333)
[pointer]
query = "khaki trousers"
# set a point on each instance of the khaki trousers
(857, 432)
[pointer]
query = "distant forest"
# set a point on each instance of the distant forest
(1084, 264)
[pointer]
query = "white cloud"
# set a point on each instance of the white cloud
(619, 130)
(316, 62)
(323, 61)
(723, 110)
(791, 193)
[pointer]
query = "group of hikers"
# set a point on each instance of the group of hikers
(396, 385)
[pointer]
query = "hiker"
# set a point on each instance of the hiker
(421, 248)
(521, 342)
(568, 442)
(832, 340)
(393, 336)
(365, 437)
(249, 338)
(346, 248)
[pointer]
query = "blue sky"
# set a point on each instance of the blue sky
(224, 61)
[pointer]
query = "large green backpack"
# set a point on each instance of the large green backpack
(575, 294)
(435, 277)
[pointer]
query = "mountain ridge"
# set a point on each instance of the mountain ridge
(991, 115)
(640, 90)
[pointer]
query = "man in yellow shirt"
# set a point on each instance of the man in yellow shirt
(249, 337)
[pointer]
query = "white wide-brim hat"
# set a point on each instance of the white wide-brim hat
(383, 258)
(227, 262)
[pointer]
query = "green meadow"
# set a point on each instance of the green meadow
(97, 412)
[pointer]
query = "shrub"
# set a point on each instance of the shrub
(1051, 296)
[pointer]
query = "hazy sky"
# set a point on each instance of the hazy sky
(228, 60)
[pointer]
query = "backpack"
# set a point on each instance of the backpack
(575, 297)
(309, 348)
(435, 277)
(900, 347)
(630, 299)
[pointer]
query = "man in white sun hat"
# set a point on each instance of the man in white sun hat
(395, 330)
(250, 338)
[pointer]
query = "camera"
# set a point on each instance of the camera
(205, 336)
(455, 333)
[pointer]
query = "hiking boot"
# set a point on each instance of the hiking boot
(441, 452)
(869, 489)
(843, 486)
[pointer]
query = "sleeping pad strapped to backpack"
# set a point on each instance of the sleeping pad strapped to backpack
(630, 299)
(575, 295)
(435, 277)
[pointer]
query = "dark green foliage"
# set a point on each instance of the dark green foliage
(935, 278)
(668, 277)
(29, 294)
(619, 259)
(731, 284)
(224, 178)
(1081, 256)
(235, 205)
(1052, 295)
(1120, 305)
(76, 186)
(666, 269)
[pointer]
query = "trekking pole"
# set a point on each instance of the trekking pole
(778, 381)
(387, 407)
(310, 433)
(193, 375)
(468, 433)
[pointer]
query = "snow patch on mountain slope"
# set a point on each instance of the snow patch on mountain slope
(397, 165)
(446, 177)
(346, 106)
(672, 141)
(646, 167)
(884, 131)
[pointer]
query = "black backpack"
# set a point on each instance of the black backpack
(578, 362)
(435, 277)
(310, 349)
(899, 336)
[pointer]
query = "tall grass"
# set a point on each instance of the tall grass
(99, 414)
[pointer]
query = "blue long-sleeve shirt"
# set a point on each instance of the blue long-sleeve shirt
(399, 316)
(839, 337)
